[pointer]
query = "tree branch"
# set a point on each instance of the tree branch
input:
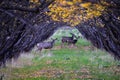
(37, 9)
(45, 4)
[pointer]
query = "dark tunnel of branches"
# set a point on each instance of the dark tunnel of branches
(22, 27)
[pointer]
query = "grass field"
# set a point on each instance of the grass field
(78, 62)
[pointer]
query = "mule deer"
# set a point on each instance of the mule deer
(65, 39)
(74, 41)
(46, 45)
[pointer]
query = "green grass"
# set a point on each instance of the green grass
(76, 63)
(69, 64)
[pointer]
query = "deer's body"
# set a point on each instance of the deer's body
(70, 40)
(65, 39)
(46, 45)
(74, 41)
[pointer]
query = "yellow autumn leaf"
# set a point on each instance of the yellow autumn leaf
(85, 5)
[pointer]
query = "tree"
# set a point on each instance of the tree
(97, 20)
(104, 31)
(24, 23)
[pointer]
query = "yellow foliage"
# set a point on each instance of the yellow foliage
(34, 1)
(86, 5)
(74, 11)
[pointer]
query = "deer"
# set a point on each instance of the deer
(65, 39)
(46, 45)
(74, 41)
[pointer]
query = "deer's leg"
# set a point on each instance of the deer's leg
(72, 45)
(62, 44)
(51, 49)
(69, 44)
(75, 45)
(40, 50)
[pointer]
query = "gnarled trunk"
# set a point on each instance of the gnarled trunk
(106, 35)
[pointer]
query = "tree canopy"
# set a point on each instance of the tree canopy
(75, 11)
(24, 23)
